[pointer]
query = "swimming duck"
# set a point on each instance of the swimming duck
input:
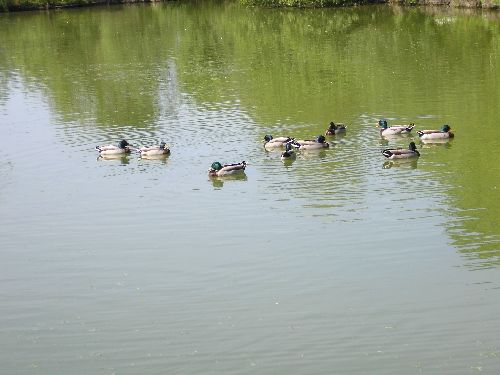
(402, 153)
(311, 144)
(393, 130)
(270, 142)
(444, 133)
(219, 170)
(335, 129)
(162, 149)
(289, 154)
(122, 148)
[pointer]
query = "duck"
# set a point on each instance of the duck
(122, 148)
(219, 170)
(444, 133)
(289, 154)
(395, 129)
(402, 153)
(335, 129)
(160, 150)
(270, 142)
(311, 144)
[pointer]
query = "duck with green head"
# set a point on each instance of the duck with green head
(443, 133)
(219, 170)
(386, 130)
(160, 150)
(402, 153)
(311, 144)
(122, 149)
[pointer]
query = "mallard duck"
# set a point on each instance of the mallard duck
(311, 144)
(394, 130)
(122, 148)
(219, 170)
(444, 133)
(402, 153)
(270, 142)
(162, 149)
(335, 129)
(289, 154)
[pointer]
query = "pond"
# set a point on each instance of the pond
(340, 262)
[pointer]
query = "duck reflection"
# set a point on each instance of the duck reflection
(159, 158)
(401, 163)
(123, 159)
(429, 143)
(218, 182)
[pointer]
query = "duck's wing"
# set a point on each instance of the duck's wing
(424, 132)
(152, 148)
(234, 167)
(399, 127)
(395, 151)
(306, 142)
(106, 148)
(281, 139)
(404, 151)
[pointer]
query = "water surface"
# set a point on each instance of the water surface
(338, 263)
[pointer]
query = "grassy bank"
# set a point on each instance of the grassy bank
(17, 5)
(308, 3)
(332, 3)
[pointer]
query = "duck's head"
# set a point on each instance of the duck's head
(214, 168)
(382, 124)
(320, 139)
(268, 137)
(446, 128)
(162, 145)
(412, 146)
(123, 143)
(332, 126)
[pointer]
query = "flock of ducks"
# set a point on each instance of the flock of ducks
(289, 144)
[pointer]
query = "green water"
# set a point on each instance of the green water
(340, 263)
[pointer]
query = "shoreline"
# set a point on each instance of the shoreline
(33, 5)
(471, 4)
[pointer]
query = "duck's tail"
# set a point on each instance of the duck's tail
(98, 148)
(409, 128)
(420, 133)
(387, 153)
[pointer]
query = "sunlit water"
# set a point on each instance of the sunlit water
(340, 263)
